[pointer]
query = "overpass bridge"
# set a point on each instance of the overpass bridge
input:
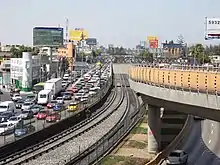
(190, 90)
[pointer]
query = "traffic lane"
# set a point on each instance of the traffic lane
(39, 124)
(212, 128)
(192, 140)
(5, 96)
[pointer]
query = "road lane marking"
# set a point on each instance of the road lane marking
(212, 124)
(212, 131)
(210, 141)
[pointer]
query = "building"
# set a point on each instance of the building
(25, 71)
(215, 59)
(172, 50)
(69, 53)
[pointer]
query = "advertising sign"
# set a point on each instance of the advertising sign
(153, 44)
(91, 41)
(212, 28)
(48, 36)
(149, 38)
(76, 35)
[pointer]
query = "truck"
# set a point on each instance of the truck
(52, 89)
(55, 85)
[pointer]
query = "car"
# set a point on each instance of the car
(19, 103)
(41, 115)
(177, 157)
(27, 105)
(36, 108)
(60, 100)
(14, 120)
(84, 99)
(53, 117)
(73, 106)
(198, 118)
(23, 130)
(51, 104)
(75, 89)
(58, 107)
(4, 119)
(32, 98)
(7, 114)
(26, 114)
(67, 96)
(16, 97)
(78, 96)
(6, 128)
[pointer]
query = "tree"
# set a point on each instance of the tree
(17, 51)
(180, 40)
(198, 52)
(147, 55)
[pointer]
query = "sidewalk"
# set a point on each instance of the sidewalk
(133, 150)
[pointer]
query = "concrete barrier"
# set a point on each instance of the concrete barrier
(163, 154)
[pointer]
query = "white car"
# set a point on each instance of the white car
(14, 120)
(177, 157)
(78, 96)
(60, 100)
(16, 97)
(27, 105)
(84, 98)
(6, 128)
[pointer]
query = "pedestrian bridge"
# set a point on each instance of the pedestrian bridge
(190, 90)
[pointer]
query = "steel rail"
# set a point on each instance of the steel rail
(86, 153)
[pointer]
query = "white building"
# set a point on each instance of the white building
(25, 71)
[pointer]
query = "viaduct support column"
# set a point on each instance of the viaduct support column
(154, 136)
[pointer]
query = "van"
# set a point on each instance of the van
(44, 97)
(7, 106)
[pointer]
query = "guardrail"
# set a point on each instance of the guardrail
(180, 67)
(56, 128)
(163, 154)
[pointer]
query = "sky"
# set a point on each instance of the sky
(119, 22)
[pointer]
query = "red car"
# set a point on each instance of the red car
(42, 115)
(51, 104)
(74, 89)
(53, 117)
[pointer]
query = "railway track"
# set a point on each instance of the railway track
(133, 113)
(33, 153)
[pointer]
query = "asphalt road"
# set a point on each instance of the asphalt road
(38, 124)
(203, 143)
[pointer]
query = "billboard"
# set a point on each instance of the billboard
(212, 28)
(151, 38)
(76, 35)
(153, 44)
(48, 36)
(91, 41)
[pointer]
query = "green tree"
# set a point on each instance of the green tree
(17, 51)
(147, 55)
(198, 52)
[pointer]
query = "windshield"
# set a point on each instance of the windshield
(175, 154)
(13, 119)
(43, 112)
(59, 98)
(27, 103)
(3, 106)
(53, 102)
(31, 97)
(24, 112)
(3, 125)
(43, 96)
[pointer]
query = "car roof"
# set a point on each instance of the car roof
(177, 151)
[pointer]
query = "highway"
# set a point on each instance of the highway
(38, 124)
(203, 143)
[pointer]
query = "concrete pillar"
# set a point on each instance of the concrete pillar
(27, 71)
(154, 136)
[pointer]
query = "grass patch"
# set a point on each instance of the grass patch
(122, 160)
(139, 130)
(135, 144)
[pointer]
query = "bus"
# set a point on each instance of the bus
(38, 87)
